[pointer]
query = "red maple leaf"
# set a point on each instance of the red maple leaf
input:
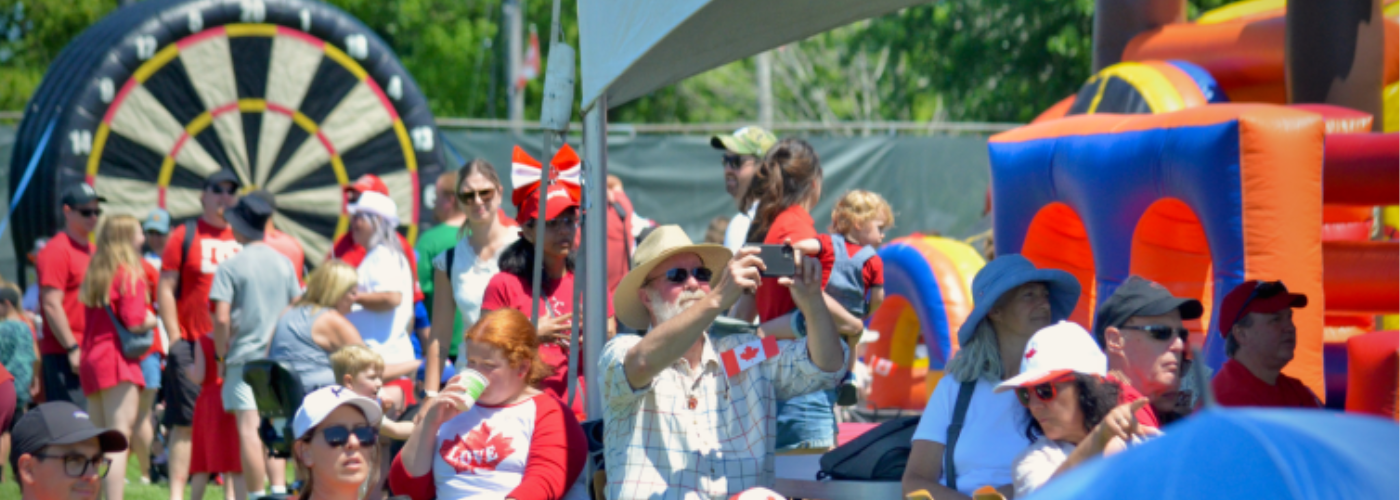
(480, 450)
(1030, 353)
(748, 354)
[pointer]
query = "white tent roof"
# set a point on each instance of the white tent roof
(632, 47)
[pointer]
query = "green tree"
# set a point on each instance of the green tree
(31, 36)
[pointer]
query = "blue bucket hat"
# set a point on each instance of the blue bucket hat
(1005, 273)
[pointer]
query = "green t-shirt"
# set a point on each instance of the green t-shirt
(431, 243)
(17, 355)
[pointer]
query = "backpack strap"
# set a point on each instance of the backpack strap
(190, 229)
(955, 429)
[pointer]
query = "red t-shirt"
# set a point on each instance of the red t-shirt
(211, 246)
(63, 265)
(352, 253)
(794, 224)
(1147, 415)
(872, 273)
(288, 246)
(152, 280)
(102, 365)
(507, 290)
(1235, 385)
(619, 241)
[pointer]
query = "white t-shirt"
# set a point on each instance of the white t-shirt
(994, 432)
(483, 453)
(1034, 466)
(738, 230)
(469, 276)
(386, 332)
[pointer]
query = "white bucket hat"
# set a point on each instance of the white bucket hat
(377, 203)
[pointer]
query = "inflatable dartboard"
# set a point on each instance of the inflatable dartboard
(294, 96)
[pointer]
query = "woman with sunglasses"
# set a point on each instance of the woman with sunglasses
(115, 289)
(1014, 299)
(335, 442)
(512, 287)
(515, 442)
(1071, 407)
(460, 275)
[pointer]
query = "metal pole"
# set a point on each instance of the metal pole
(540, 224)
(515, 13)
(763, 65)
(595, 238)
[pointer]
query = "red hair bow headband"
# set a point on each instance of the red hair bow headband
(525, 173)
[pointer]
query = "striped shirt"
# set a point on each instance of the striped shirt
(695, 433)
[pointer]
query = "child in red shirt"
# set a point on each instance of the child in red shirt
(852, 272)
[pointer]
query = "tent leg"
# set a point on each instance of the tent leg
(595, 238)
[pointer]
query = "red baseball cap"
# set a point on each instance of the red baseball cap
(559, 200)
(367, 183)
(1256, 296)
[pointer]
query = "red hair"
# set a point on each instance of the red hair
(512, 333)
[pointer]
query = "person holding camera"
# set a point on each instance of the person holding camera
(686, 414)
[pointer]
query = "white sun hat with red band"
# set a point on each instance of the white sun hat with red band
(1055, 351)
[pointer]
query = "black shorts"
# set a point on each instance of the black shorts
(61, 381)
(179, 391)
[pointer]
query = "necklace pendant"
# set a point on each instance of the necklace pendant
(692, 403)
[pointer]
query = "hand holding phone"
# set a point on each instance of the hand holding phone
(778, 260)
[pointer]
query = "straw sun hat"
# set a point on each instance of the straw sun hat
(663, 242)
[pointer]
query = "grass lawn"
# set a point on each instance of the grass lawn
(134, 489)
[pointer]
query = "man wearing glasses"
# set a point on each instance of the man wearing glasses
(59, 454)
(61, 267)
(1140, 328)
(742, 151)
(186, 275)
(1256, 319)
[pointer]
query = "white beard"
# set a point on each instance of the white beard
(662, 311)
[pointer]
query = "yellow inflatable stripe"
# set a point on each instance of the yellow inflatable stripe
(150, 67)
(241, 30)
(198, 124)
(1098, 95)
(1159, 92)
(1391, 97)
(252, 105)
(344, 59)
(1392, 10)
(98, 142)
(1239, 9)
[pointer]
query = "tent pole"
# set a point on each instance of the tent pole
(595, 239)
(540, 223)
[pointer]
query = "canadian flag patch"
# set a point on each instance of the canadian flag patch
(748, 355)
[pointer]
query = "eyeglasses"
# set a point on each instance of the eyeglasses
(1265, 290)
(76, 465)
(470, 197)
(733, 162)
(1044, 392)
(338, 435)
(1162, 332)
(216, 189)
(680, 274)
(558, 222)
(90, 212)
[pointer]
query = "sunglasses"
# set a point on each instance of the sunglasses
(221, 190)
(680, 274)
(557, 223)
(733, 161)
(470, 197)
(1265, 290)
(1162, 332)
(90, 212)
(1044, 392)
(338, 435)
(76, 465)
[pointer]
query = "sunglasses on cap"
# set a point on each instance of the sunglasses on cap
(1044, 392)
(338, 435)
(680, 274)
(76, 465)
(470, 197)
(89, 212)
(733, 161)
(1161, 332)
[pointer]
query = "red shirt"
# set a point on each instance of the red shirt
(102, 365)
(288, 246)
(794, 224)
(1147, 415)
(873, 273)
(620, 242)
(152, 276)
(211, 245)
(63, 265)
(352, 253)
(507, 290)
(1235, 385)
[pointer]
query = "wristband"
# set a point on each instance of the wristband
(430, 394)
(74, 348)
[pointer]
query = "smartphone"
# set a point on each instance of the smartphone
(778, 259)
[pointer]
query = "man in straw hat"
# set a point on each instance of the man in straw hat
(687, 414)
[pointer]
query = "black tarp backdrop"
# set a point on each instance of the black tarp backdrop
(935, 183)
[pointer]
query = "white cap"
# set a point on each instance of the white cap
(376, 203)
(319, 404)
(757, 493)
(1055, 351)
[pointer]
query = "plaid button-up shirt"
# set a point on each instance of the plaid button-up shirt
(694, 433)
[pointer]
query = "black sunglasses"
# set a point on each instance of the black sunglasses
(338, 435)
(1043, 392)
(733, 161)
(1266, 289)
(76, 465)
(1162, 332)
(470, 197)
(90, 212)
(557, 222)
(680, 274)
(217, 189)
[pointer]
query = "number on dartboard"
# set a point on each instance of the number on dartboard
(357, 46)
(82, 142)
(305, 16)
(196, 21)
(106, 90)
(145, 47)
(422, 138)
(253, 11)
(395, 89)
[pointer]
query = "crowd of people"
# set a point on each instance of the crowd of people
(426, 377)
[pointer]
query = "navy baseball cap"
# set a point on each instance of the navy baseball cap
(59, 422)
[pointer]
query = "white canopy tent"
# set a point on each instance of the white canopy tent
(632, 47)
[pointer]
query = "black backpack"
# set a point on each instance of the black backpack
(878, 455)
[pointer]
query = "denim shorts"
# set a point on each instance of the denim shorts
(150, 370)
(807, 422)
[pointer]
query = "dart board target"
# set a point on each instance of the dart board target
(293, 96)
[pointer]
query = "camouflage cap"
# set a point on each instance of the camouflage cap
(751, 140)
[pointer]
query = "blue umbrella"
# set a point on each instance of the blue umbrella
(1248, 453)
